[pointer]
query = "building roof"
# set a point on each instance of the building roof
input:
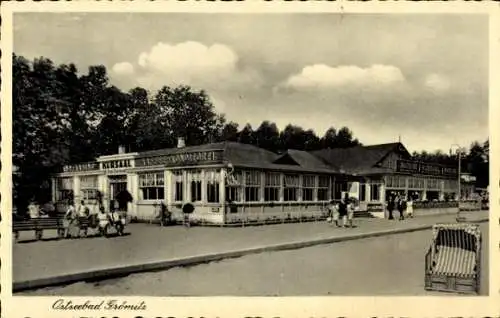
(360, 159)
(250, 156)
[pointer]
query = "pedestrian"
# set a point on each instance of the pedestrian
(409, 207)
(350, 213)
(390, 207)
(401, 208)
(83, 215)
(33, 210)
(69, 219)
(333, 210)
(343, 210)
(164, 215)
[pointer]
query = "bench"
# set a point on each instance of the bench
(38, 225)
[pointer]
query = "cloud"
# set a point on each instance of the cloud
(437, 83)
(324, 76)
(210, 67)
(123, 68)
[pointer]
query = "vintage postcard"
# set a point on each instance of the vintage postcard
(250, 159)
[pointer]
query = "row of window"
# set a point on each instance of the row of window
(418, 183)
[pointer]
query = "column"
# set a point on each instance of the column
(368, 191)
(316, 186)
(222, 193)
(381, 190)
(133, 189)
(441, 190)
(262, 186)
(187, 187)
(204, 196)
(301, 184)
(424, 193)
(76, 189)
(282, 187)
(54, 189)
(169, 187)
(407, 181)
(102, 186)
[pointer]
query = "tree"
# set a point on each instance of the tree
(247, 135)
(267, 136)
(39, 123)
(329, 139)
(229, 132)
(344, 138)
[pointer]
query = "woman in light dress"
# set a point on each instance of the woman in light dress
(409, 207)
(70, 220)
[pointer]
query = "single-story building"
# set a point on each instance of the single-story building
(230, 182)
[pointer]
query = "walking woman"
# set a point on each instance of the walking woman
(69, 221)
(409, 207)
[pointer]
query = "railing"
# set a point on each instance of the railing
(434, 204)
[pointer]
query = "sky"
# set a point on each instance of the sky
(419, 78)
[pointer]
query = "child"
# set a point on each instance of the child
(334, 212)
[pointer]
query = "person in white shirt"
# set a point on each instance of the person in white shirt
(34, 210)
(83, 210)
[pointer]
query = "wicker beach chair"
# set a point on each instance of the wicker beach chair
(453, 261)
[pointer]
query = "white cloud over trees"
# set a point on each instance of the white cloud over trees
(324, 76)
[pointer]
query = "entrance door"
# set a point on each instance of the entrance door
(117, 184)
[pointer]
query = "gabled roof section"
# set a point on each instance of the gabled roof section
(286, 159)
(359, 159)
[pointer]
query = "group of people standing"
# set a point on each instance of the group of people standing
(401, 204)
(341, 212)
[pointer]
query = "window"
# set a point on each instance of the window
(338, 188)
(252, 186)
(308, 185)
(195, 177)
(374, 192)
(323, 182)
(178, 185)
(396, 181)
(273, 186)
(152, 186)
(213, 180)
(88, 186)
(234, 188)
(432, 184)
(291, 187)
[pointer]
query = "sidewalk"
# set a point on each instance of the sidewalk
(150, 247)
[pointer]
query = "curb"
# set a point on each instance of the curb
(122, 271)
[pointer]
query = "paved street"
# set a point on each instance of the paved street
(388, 265)
(147, 243)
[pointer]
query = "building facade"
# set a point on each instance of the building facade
(230, 182)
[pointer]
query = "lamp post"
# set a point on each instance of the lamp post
(459, 154)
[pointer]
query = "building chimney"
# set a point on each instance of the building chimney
(121, 149)
(181, 142)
